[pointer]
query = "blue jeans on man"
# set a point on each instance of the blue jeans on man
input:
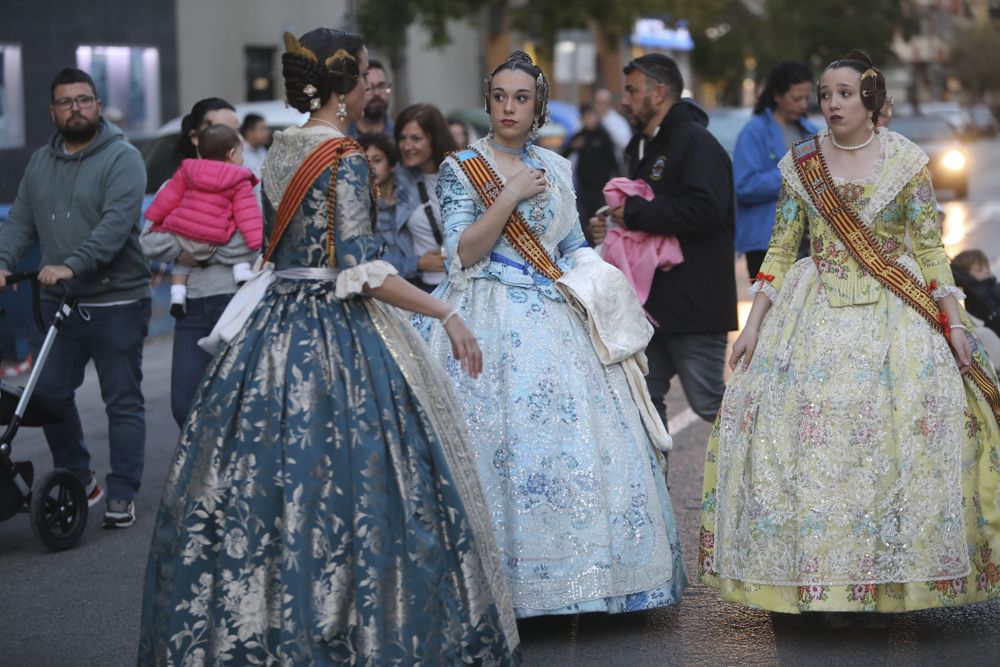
(113, 337)
(190, 361)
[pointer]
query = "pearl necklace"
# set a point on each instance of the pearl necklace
(858, 147)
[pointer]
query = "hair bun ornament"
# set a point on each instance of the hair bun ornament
(519, 57)
(345, 68)
(294, 47)
(858, 54)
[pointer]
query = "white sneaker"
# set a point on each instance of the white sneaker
(119, 514)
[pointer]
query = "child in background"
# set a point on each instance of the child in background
(592, 153)
(382, 159)
(982, 294)
(982, 298)
(206, 202)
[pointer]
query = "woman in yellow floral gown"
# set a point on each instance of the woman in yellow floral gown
(851, 467)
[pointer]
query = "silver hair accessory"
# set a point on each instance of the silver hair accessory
(314, 104)
(533, 133)
(536, 126)
(341, 109)
(309, 90)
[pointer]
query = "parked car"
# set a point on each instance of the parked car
(160, 154)
(725, 124)
(983, 120)
(951, 111)
(949, 159)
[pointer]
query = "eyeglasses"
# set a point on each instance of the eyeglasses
(66, 103)
(381, 87)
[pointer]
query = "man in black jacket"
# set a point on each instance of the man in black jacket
(691, 175)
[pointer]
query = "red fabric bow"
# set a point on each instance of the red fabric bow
(764, 276)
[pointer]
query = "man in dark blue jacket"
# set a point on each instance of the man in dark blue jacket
(694, 303)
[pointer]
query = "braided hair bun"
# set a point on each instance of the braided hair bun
(873, 86)
(324, 62)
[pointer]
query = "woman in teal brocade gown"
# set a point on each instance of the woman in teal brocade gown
(322, 505)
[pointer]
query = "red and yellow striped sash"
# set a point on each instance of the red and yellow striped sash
(325, 156)
(815, 176)
(487, 185)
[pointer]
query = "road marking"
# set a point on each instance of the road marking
(682, 421)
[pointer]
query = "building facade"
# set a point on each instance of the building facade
(128, 47)
(232, 49)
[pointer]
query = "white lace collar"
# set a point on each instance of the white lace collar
(901, 160)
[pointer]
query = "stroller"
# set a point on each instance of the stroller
(58, 504)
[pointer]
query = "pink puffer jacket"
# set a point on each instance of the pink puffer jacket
(207, 200)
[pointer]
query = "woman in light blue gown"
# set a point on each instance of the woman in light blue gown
(579, 505)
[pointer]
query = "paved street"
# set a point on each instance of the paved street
(82, 607)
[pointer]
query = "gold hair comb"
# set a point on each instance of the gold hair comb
(339, 54)
(293, 46)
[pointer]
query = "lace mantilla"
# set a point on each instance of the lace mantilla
(900, 162)
(560, 188)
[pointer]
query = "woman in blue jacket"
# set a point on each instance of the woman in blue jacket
(778, 122)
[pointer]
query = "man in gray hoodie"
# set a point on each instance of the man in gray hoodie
(81, 199)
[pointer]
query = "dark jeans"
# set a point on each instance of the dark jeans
(113, 337)
(190, 361)
(699, 360)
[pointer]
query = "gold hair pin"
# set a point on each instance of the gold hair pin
(294, 46)
(339, 54)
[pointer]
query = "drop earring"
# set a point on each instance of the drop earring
(533, 133)
(871, 123)
(341, 109)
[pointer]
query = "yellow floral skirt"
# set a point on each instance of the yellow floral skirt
(850, 467)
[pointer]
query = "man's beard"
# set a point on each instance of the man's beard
(375, 111)
(635, 120)
(79, 133)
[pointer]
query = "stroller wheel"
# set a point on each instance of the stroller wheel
(59, 510)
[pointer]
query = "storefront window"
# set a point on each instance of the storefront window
(11, 97)
(128, 81)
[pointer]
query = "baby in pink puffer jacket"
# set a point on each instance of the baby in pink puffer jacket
(204, 204)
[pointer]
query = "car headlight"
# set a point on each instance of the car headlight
(953, 160)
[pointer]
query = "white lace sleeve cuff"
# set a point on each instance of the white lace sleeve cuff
(765, 287)
(942, 292)
(459, 277)
(370, 274)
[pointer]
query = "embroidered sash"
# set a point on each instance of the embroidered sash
(858, 239)
(325, 156)
(487, 185)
